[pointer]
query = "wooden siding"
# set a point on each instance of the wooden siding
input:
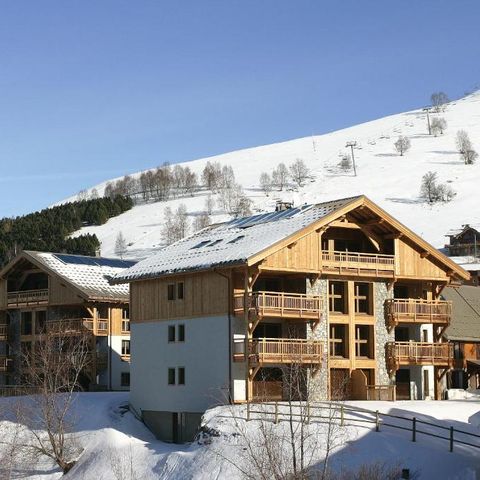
(204, 294)
(60, 294)
(411, 264)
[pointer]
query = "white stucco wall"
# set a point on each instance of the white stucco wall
(117, 364)
(204, 354)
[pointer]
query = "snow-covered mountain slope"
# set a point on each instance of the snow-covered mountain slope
(391, 180)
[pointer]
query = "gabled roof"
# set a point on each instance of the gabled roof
(465, 325)
(89, 276)
(456, 232)
(248, 240)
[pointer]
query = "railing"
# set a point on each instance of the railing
(355, 262)
(281, 350)
(27, 297)
(77, 325)
(418, 311)
(3, 331)
(341, 415)
(381, 392)
(5, 364)
(420, 353)
(279, 304)
(18, 390)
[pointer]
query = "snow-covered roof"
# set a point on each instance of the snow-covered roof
(457, 231)
(229, 243)
(90, 275)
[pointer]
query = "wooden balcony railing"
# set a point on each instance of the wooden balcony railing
(263, 351)
(280, 304)
(381, 392)
(27, 297)
(3, 331)
(419, 353)
(412, 310)
(78, 325)
(358, 263)
(5, 364)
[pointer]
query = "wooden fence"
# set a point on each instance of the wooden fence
(347, 415)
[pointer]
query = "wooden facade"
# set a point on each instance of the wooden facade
(358, 252)
(56, 307)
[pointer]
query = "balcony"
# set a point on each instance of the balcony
(76, 326)
(275, 351)
(3, 332)
(419, 353)
(353, 263)
(418, 311)
(5, 364)
(27, 297)
(279, 304)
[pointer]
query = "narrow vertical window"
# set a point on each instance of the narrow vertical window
(125, 347)
(180, 290)
(171, 376)
(171, 291)
(171, 333)
(125, 379)
(181, 375)
(181, 333)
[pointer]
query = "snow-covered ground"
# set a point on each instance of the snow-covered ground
(387, 178)
(116, 445)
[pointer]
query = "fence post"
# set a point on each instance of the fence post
(248, 411)
(377, 421)
(451, 439)
(276, 412)
(414, 429)
(342, 419)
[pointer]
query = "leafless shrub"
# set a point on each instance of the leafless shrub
(346, 163)
(266, 183)
(432, 191)
(465, 147)
(175, 225)
(439, 100)
(280, 176)
(120, 245)
(373, 471)
(299, 172)
(438, 126)
(122, 463)
(211, 175)
(402, 145)
(201, 221)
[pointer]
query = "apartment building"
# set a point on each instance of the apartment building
(43, 293)
(340, 289)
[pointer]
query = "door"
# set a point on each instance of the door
(402, 380)
(426, 384)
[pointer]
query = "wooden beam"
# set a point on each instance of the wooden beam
(424, 254)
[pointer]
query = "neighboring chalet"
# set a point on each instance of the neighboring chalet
(464, 242)
(340, 290)
(43, 293)
(464, 333)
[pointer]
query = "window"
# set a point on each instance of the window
(180, 290)
(215, 242)
(364, 341)
(363, 298)
(125, 313)
(237, 239)
(40, 321)
(337, 298)
(181, 333)
(171, 291)
(125, 325)
(171, 376)
(424, 335)
(125, 379)
(338, 341)
(176, 333)
(125, 347)
(103, 311)
(26, 323)
(181, 375)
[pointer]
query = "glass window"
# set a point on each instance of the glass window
(338, 341)
(180, 290)
(337, 297)
(171, 333)
(40, 321)
(171, 291)
(26, 323)
(364, 341)
(171, 376)
(125, 379)
(181, 375)
(125, 347)
(363, 298)
(181, 333)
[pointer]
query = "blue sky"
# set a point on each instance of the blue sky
(93, 90)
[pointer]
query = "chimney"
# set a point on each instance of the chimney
(280, 206)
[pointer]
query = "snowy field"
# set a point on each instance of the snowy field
(117, 446)
(387, 178)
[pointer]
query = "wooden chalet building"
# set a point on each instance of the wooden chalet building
(464, 241)
(340, 288)
(42, 293)
(464, 334)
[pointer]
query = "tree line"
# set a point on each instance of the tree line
(49, 229)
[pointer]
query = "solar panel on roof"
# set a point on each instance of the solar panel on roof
(94, 261)
(266, 217)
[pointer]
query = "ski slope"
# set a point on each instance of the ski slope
(387, 178)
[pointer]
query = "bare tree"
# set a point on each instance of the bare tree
(439, 100)
(175, 226)
(209, 204)
(53, 366)
(346, 163)
(94, 194)
(280, 176)
(402, 145)
(465, 147)
(299, 172)
(211, 175)
(82, 195)
(234, 201)
(434, 192)
(266, 183)
(438, 125)
(120, 245)
(201, 221)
